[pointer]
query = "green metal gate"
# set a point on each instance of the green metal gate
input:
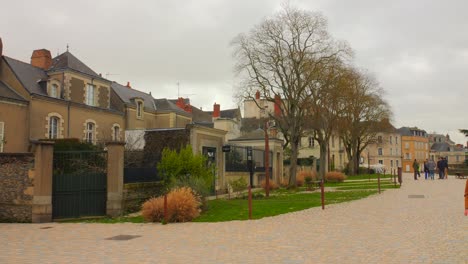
(79, 185)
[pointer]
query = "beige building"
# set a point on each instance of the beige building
(385, 151)
(443, 146)
(53, 98)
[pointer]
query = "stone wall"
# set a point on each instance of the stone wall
(135, 194)
(16, 187)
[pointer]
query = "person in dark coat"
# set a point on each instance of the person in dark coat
(440, 168)
(426, 170)
(416, 169)
(445, 167)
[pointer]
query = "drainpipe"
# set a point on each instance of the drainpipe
(68, 105)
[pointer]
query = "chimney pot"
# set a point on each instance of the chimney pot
(216, 110)
(41, 59)
(257, 95)
(277, 105)
(128, 85)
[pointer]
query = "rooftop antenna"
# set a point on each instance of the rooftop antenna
(178, 89)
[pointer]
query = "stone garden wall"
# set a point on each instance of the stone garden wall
(16, 187)
(135, 194)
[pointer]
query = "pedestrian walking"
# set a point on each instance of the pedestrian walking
(445, 167)
(416, 169)
(426, 170)
(431, 166)
(440, 168)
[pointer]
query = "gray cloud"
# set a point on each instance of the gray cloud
(418, 50)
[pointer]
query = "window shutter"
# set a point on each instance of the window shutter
(2, 133)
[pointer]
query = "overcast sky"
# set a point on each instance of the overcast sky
(417, 49)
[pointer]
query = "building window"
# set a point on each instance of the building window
(90, 132)
(379, 139)
(396, 140)
(391, 140)
(54, 123)
(2, 135)
(380, 152)
(397, 163)
(407, 156)
(406, 145)
(311, 142)
(381, 162)
(391, 163)
(115, 132)
(54, 91)
(139, 109)
(90, 95)
(333, 141)
(391, 151)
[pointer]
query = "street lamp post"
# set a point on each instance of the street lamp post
(267, 161)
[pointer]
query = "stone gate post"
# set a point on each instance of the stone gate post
(42, 200)
(115, 170)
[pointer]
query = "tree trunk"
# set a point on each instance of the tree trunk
(293, 165)
(351, 164)
(323, 160)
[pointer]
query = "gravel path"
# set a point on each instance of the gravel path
(386, 228)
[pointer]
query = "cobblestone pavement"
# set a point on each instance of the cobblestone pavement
(386, 228)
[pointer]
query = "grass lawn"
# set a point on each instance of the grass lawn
(367, 176)
(281, 201)
(237, 209)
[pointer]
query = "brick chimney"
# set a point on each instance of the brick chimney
(1, 47)
(128, 85)
(277, 105)
(41, 58)
(180, 103)
(257, 95)
(216, 110)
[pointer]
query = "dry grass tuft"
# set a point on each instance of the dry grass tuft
(335, 176)
(182, 206)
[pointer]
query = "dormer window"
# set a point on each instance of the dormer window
(139, 109)
(54, 91)
(90, 95)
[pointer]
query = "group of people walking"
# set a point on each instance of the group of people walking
(430, 167)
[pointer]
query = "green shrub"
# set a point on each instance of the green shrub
(239, 185)
(184, 168)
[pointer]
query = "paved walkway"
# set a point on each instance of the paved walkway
(386, 228)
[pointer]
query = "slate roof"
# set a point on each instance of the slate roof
(174, 101)
(6, 92)
(200, 117)
(166, 105)
(444, 147)
(67, 60)
(407, 131)
(127, 94)
(228, 113)
(28, 75)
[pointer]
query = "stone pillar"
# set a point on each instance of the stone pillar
(115, 170)
(42, 200)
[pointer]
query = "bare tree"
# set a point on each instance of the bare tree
(280, 58)
(365, 115)
(326, 104)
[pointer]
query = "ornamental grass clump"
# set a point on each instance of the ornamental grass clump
(183, 205)
(273, 185)
(335, 176)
